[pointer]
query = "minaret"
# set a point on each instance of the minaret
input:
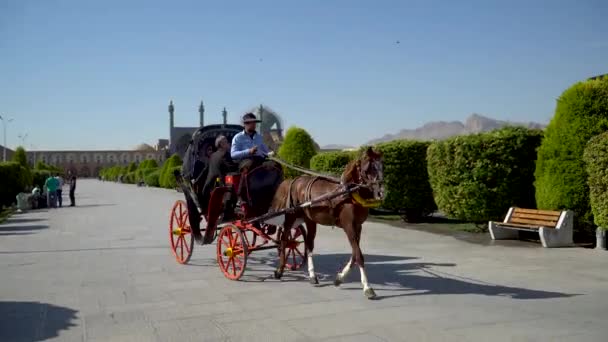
(261, 115)
(171, 117)
(201, 112)
(225, 116)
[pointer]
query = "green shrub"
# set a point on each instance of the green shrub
(39, 177)
(297, 148)
(132, 167)
(170, 182)
(167, 179)
(148, 164)
(129, 178)
(152, 178)
(596, 160)
(13, 180)
(478, 177)
(561, 178)
(20, 157)
(332, 162)
(406, 179)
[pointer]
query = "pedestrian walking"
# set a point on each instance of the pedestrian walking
(72, 182)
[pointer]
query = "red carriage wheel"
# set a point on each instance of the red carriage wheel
(180, 233)
(232, 251)
(296, 252)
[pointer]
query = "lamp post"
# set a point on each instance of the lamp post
(22, 137)
(5, 121)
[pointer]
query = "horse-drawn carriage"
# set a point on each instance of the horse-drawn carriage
(273, 212)
(239, 231)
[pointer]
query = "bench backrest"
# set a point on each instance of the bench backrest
(534, 217)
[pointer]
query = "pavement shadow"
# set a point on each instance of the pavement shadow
(23, 220)
(11, 229)
(408, 278)
(91, 205)
(33, 321)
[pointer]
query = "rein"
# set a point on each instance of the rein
(303, 170)
(352, 192)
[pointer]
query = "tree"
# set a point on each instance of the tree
(20, 157)
(561, 178)
(297, 148)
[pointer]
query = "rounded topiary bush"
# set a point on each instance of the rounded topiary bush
(167, 178)
(152, 178)
(596, 160)
(332, 162)
(407, 186)
(297, 148)
(478, 177)
(561, 178)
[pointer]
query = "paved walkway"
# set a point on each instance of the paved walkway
(102, 271)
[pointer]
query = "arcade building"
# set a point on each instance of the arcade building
(88, 163)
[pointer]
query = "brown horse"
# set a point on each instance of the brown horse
(347, 211)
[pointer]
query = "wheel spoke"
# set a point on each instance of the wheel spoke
(181, 209)
(233, 266)
(182, 241)
(298, 251)
(185, 243)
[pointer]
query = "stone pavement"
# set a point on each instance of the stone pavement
(103, 271)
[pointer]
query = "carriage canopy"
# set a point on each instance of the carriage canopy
(202, 144)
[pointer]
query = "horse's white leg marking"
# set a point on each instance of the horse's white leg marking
(367, 290)
(345, 270)
(364, 281)
(311, 266)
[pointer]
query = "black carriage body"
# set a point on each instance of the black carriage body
(202, 140)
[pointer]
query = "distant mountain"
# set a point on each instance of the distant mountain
(335, 147)
(475, 123)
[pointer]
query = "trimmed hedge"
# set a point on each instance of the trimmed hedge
(166, 178)
(152, 178)
(14, 179)
(39, 177)
(561, 178)
(596, 160)
(478, 177)
(297, 148)
(332, 162)
(407, 186)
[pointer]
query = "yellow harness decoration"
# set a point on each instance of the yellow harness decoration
(371, 203)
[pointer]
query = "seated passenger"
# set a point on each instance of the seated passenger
(218, 166)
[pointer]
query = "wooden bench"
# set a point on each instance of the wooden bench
(555, 228)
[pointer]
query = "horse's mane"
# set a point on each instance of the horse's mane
(350, 171)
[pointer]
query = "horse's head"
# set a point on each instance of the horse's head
(368, 171)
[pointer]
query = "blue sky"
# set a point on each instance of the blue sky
(100, 74)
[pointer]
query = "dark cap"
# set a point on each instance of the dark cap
(249, 117)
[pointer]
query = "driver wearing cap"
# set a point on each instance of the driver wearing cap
(248, 149)
(248, 143)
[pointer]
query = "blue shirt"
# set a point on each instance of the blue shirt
(242, 142)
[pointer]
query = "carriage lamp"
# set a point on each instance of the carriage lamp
(229, 180)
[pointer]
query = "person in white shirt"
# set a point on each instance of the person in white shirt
(59, 190)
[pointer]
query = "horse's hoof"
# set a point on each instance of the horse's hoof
(277, 275)
(337, 282)
(370, 293)
(314, 280)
